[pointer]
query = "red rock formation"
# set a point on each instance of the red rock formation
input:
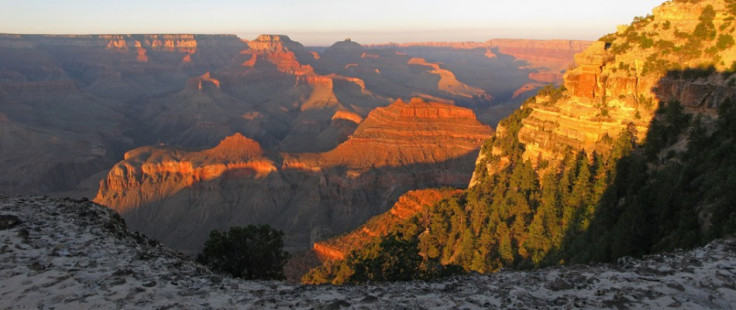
(417, 132)
(348, 116)
(186, 43)
(148, 174)
(282, 52)
(202, 81)
(546, 76)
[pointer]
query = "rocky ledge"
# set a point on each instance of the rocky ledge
(61, 253)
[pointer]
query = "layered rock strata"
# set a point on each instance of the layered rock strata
(178, 196)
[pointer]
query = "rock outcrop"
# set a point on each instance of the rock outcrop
(149, 174)
(409, 133)
(288, 56)
(76, 254)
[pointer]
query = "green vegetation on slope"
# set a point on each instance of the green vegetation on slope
(664, 196)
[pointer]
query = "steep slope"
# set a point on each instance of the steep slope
(595, 194)
(179, 196)
(621, 80)
(608, 161)
(76, 254)
(629, 158)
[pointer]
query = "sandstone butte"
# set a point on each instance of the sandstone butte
(280, 51)
(155, 172)
(397, 148)
(402, 134)
(611, 90)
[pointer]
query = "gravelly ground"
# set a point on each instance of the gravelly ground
(68, 254)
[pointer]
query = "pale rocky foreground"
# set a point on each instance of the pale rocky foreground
(68, 254)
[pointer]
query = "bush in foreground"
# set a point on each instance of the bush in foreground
(250, 252)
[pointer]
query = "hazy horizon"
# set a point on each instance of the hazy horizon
(322, 23)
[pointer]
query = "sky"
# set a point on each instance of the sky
(327, 21)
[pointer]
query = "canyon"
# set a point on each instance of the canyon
(372, 157)
(311, 142)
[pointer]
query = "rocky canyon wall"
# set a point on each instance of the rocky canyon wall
(177, 196)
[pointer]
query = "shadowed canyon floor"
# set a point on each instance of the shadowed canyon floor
(75, 254)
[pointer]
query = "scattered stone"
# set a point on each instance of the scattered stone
(369, 299)
(336, 305)
(559, 285)
(36, 266)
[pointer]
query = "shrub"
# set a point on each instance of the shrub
(394, 259)
(251, 252)
(724, 41)
(645, 42)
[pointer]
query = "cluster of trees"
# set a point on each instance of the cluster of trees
(395, 257)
